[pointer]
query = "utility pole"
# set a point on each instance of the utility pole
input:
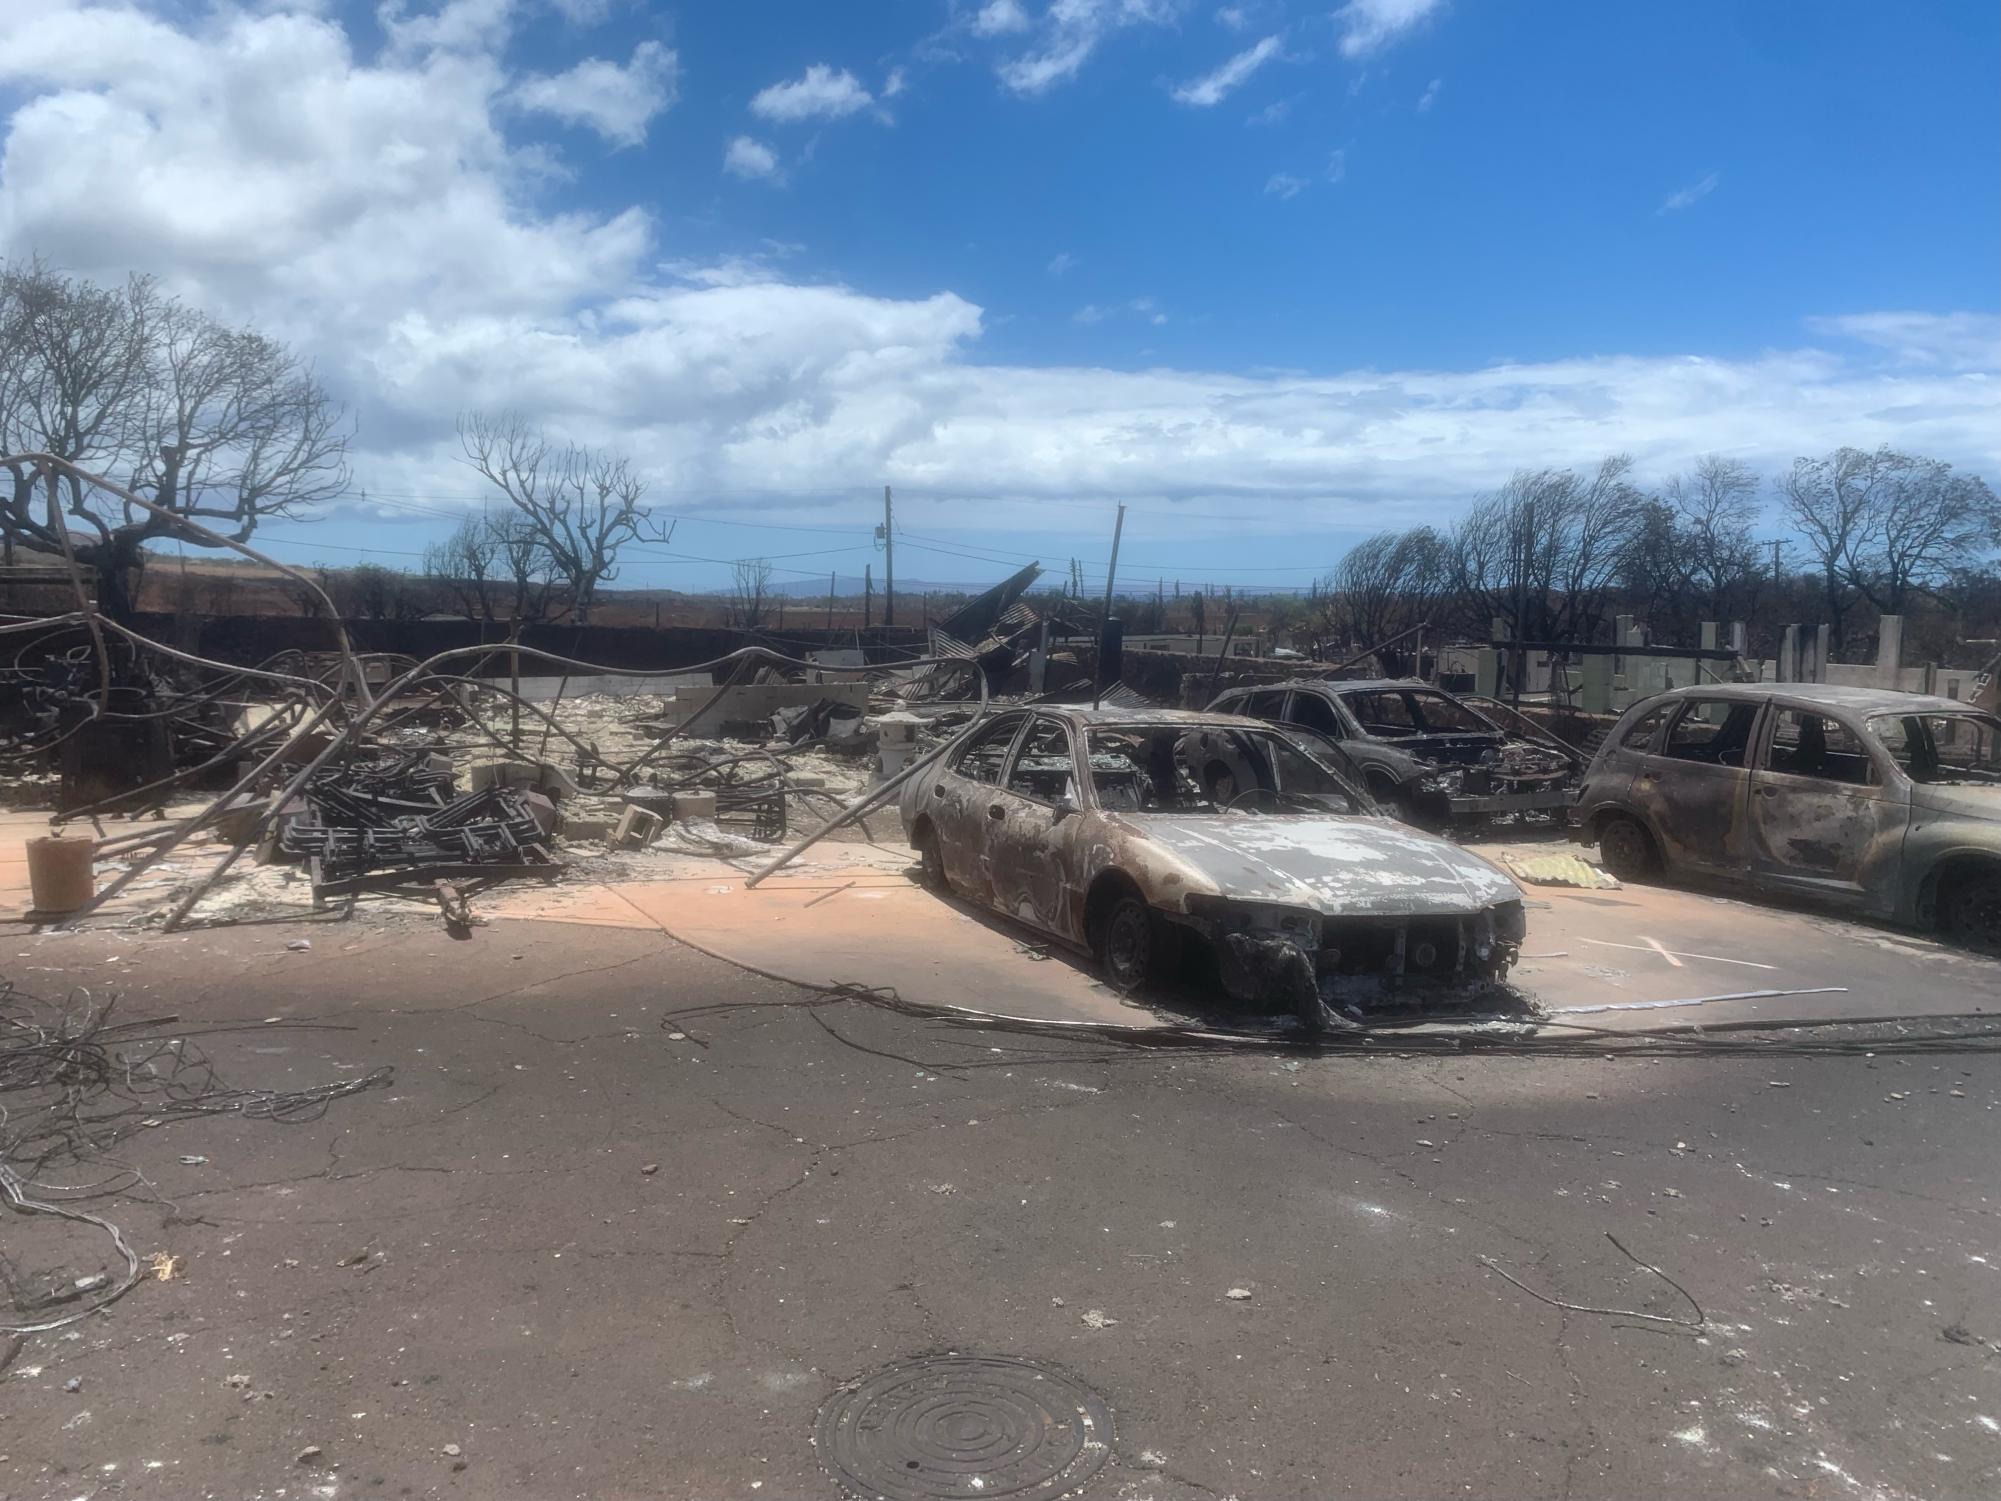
(1776, 545)
(830, 601)
(888, 559)
(1105, 625)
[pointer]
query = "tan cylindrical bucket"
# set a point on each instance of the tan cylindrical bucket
(60, 873)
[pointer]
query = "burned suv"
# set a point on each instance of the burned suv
(1434, 758)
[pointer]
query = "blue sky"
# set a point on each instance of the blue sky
(1272, 274)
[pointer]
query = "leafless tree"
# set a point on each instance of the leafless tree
(582, 503)
(222, 592)
(466, 566)
(219, 425)
(1546, 551)
(1715, 507)
(1384, 586)
(526, 568)
(750, 592)
(1828, 502)
(1923, 524)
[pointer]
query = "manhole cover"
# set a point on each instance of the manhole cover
(965, 1426)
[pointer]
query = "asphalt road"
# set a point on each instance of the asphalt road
(627, 1216)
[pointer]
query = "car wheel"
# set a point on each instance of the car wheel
(1972, 914)
(931, 862)
(1131, 949)
(1628, 849)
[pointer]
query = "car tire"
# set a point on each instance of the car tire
(1627, 849)
(931, 862)
(1971, 915)
(1131, 947)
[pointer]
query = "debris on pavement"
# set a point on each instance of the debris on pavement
(1561, 870)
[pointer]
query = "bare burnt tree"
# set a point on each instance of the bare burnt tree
(222, 592)
(466, 567)
(750, 592)
(529, 574)
(218, 425)
(1829, 501)
(1546, 552)
(1923, 525)
(582, 503)
(1384, 586)
(1715, 507)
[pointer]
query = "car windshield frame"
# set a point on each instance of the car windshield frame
(1923, 766)
(1361, 805)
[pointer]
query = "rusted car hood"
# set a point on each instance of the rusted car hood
(1337, 866)
(1966, 799)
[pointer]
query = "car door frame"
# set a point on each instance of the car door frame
(1666, 811)
(1870, 876)
(1029, 846)
(958, 815)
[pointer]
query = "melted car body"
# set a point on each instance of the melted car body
(1436, 758)
(1137, 834)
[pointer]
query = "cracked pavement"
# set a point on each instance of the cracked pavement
(479, 1256)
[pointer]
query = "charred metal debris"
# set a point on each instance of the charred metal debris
(75, 1082)
(376, 772)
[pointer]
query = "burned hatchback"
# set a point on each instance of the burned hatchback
(1165, 842)
(1433, 757)
(1880, 802)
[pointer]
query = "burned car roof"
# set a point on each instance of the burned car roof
(1350, 685)
(1832, 695)
(1112, 715)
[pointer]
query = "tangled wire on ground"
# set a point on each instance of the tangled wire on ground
(74, 1083)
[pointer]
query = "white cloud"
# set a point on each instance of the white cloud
(1070, 33)
(821, 93)
(583, 12)
(1337, 166)
(747, 158)
(1951, 341)
(1284, 185)
(1272, 113)
(1212, 88)
(1430, 95)
(1233, 17)
(1368, 26)
(616, 102)
(1061, 262)
(1000, 18)
(1695, 192)
(894, 84)
(371, 210)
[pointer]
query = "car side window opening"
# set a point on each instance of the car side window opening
(1385, 714)
(1042, 765)
(1203, 769)
(1265, 704)
(984, 759)
(1641, 734)
(1437, 714)
(1713, 731)
(1805, 744)
(1313, 711)
(1942, 747)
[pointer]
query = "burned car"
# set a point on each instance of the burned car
(1884, 803)
(1434, 758)
(1161, 839)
